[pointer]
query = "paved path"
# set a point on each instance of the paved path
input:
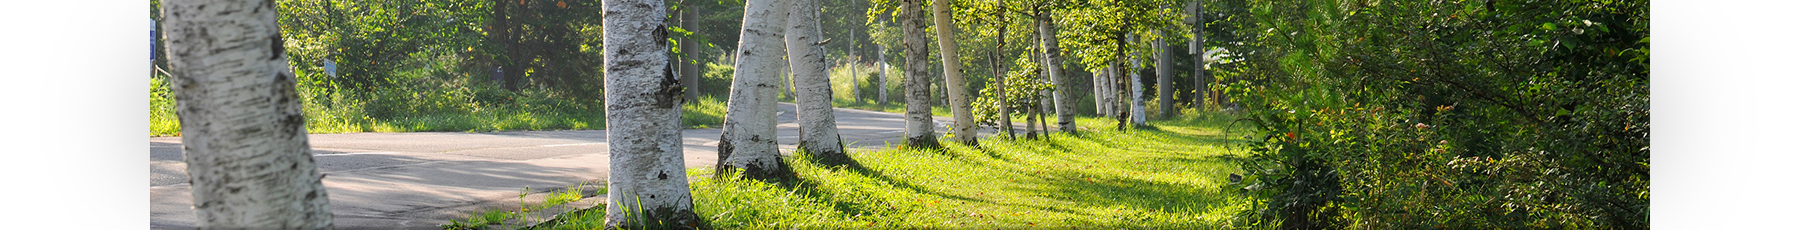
(421, 180)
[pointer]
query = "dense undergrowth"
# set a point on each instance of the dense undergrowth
(1172, 176)
(1444, 114)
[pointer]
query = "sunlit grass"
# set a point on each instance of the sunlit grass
(707, 112)
(1169, 177)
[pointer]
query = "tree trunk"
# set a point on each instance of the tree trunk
(919, 132)
(1065, 94)
(1202, 80)
(786, 78)
(881, 80)
(855, 90)
(1120, 85)
(1137, 87)
(1103, 92)
(748, 140)
(999, 65)
(648, 180)
(818, 126)
(1031, 121)
(964, 127)
(690, 66)
(244, 135)
(1165, 80)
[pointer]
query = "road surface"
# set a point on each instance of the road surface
(424, 179)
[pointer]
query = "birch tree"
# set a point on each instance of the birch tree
(1137, 88)
(244, 136)
(1053, 60)
(881, 80)
(919, 132)
(963, 129)
(647, 181)
(818, 126)
(748, 140)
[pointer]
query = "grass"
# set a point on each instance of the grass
(517, 218)
(542, 114)
(896, 106)
(1171, 176)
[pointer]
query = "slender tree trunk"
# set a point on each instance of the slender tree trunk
(1137, 87)
(1165, 80)
(1202, 80)
(748, 140)
(855, 89)
(818, 127)
(1065, 92)
(919, 132)
(1122, 85)
(964, 127)
(1103, 87)
(1030, 121)
(881, 80)
(999, 64)
(648, 180)
(244, 135)
(690, 66)
(786, 78)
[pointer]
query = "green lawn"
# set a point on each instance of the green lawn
(1168, 177)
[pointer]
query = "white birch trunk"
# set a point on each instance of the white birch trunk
(243, 133)
(818, 126)
(1137, 90)
(964, 126)
(881, 80)
(1053, 59)
(748, 140)
(647, 179)
(1103, 91)
(855, 90)
(919, 132)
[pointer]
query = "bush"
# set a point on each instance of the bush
(1466, 115)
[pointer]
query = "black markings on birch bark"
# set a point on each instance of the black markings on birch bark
(275, 46)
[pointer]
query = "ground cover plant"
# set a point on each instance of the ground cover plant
(1175, 175)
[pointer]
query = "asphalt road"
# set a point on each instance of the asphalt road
(424, 179)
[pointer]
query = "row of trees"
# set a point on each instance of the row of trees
(247, 153)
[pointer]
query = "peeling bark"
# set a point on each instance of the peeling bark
(919, 132)
(818, 126)
(1065, 93)
(963, 129)
(747, 142)
(647, 179)
(244, 135)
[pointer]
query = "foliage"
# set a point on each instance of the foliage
(1445, 114)
(1023, 86)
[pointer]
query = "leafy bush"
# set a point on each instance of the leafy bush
(1409, 115)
